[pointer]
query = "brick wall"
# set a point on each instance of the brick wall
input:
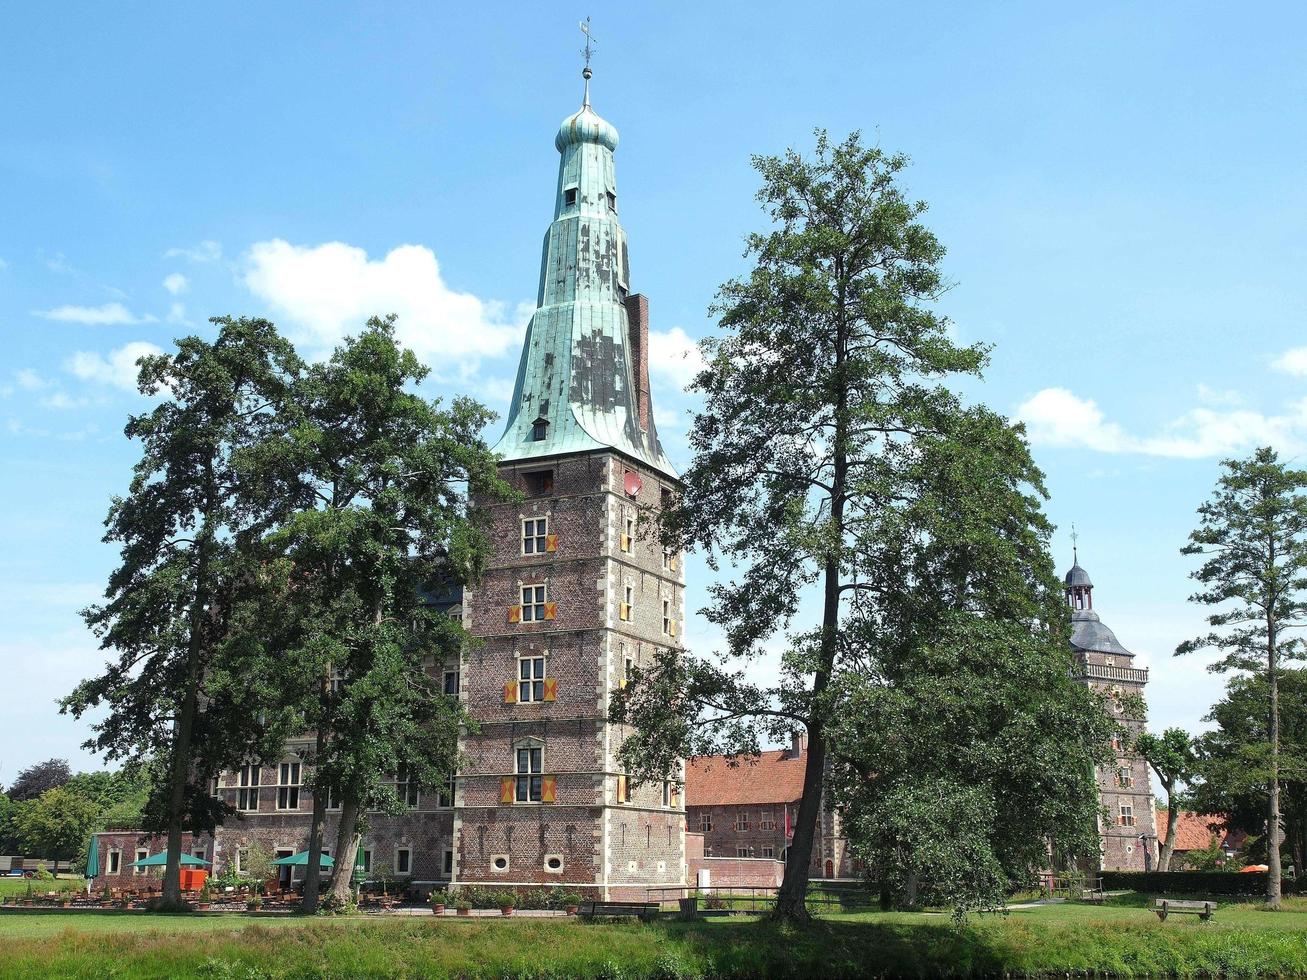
(129, 845)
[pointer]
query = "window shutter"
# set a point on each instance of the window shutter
(676, 799)
(671, 627)
(547, 789)
(671, 563)
(625, 542)
(550, 609)
(510, 692)
(515, 614)
(551, 688)
(506, 789)
(621, 789)
(551, 542)
(624, 612)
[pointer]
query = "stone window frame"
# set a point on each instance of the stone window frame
(562, 865)
(113, 861)
(1125, 814)
(529, 685)
(741, 822)
(535, 597)
(667, 794)
(457, 674)
(528, 743)
(447, 862)
(767, 820)
(288, 789)
(141, 854)
(1125, 777)
(767, 851)
(627, 604)
(535, 535)
(743, 852)
(407, 850)
(496, 859)
(248, 779)
(705, 822)
(238, 861)
(405, 791)
(626, 537)
(449, 792)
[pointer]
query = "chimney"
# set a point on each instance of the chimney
(798, 743)
(637, 317)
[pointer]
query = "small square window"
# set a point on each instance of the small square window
(612, 201)
(569, 197)
(533, 603)
(539, 481)
(535, 535)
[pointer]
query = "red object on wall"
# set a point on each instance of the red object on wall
(633, 484)
(193, 879)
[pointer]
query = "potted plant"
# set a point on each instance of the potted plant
(462, 907)
(507, 902)
(205, 901)
(437, 900)
(253, 903)
(571, 903)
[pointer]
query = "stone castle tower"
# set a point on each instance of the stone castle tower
(579, 589)
(1128, 831)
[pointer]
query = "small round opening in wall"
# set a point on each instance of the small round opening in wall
(633, 483)
(554, 863)
(501, 863)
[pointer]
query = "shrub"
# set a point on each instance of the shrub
(1221, 883)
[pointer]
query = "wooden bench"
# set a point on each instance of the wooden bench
(1167, 906)
(642, 910)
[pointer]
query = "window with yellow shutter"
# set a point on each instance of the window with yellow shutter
(531, 679)
(628, 533)
(628, 600)
(623, 794)
(533, 603)
(530, 783)
(548, 789)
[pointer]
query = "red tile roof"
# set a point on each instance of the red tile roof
(1193, 831)
(775, 776)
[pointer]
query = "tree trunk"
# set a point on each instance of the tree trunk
(790, 902)
(1273, 796)
(179, 767)
(1172, 818)
(317, 827)
(347, 846)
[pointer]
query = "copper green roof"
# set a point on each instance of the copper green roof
(576, 375)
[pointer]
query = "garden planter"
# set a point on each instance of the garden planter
(571, 910)
(464, 911)
(438, 909)
(506, 909)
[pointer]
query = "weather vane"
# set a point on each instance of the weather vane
(1075, 551)
(589, 40)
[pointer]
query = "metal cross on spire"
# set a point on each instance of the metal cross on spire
(587, 51)
(1075, 553)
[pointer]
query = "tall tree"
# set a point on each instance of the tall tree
(1233, 761)
(183, 529)
(1252, 539)
(830, 365)
(1171, 755)
(383, 477)
(57, 824)
(36, 779)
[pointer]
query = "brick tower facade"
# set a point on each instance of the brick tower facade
(578, 589)
(1128, 829)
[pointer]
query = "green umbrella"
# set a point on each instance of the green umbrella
(302, 858)
(92, 861)
(161, 859)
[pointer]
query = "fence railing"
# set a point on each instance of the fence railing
(1074, 887)
(755, 899)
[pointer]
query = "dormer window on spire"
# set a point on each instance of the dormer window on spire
(569, 197)
(539, 430)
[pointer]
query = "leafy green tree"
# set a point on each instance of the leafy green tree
(831, 373)
(1233, 762)
(963, 752)
(36, 779)
(56, 824)
(193, 507)
(8, 833)
(1172, 757)
(1252, 539)
(382, 483)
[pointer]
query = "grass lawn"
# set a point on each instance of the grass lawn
(1121, 939)
(18, 886)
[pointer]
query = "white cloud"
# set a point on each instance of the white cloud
(118, 368)
(109, 314)
(1292, 361)
(61, 399)
(1218, 396)
(176, 283)
(327, 291)
(29, 380)
(177, 314)
(674, 355)
(206, 251)
(1057, 417)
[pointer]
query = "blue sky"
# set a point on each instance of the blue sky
(1119, 189)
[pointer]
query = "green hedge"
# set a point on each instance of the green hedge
(1224, 883)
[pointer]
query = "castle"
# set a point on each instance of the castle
(577, 594)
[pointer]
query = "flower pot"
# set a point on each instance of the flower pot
(438, 908)
(571, 909)
(506, 909)
(464, 911)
